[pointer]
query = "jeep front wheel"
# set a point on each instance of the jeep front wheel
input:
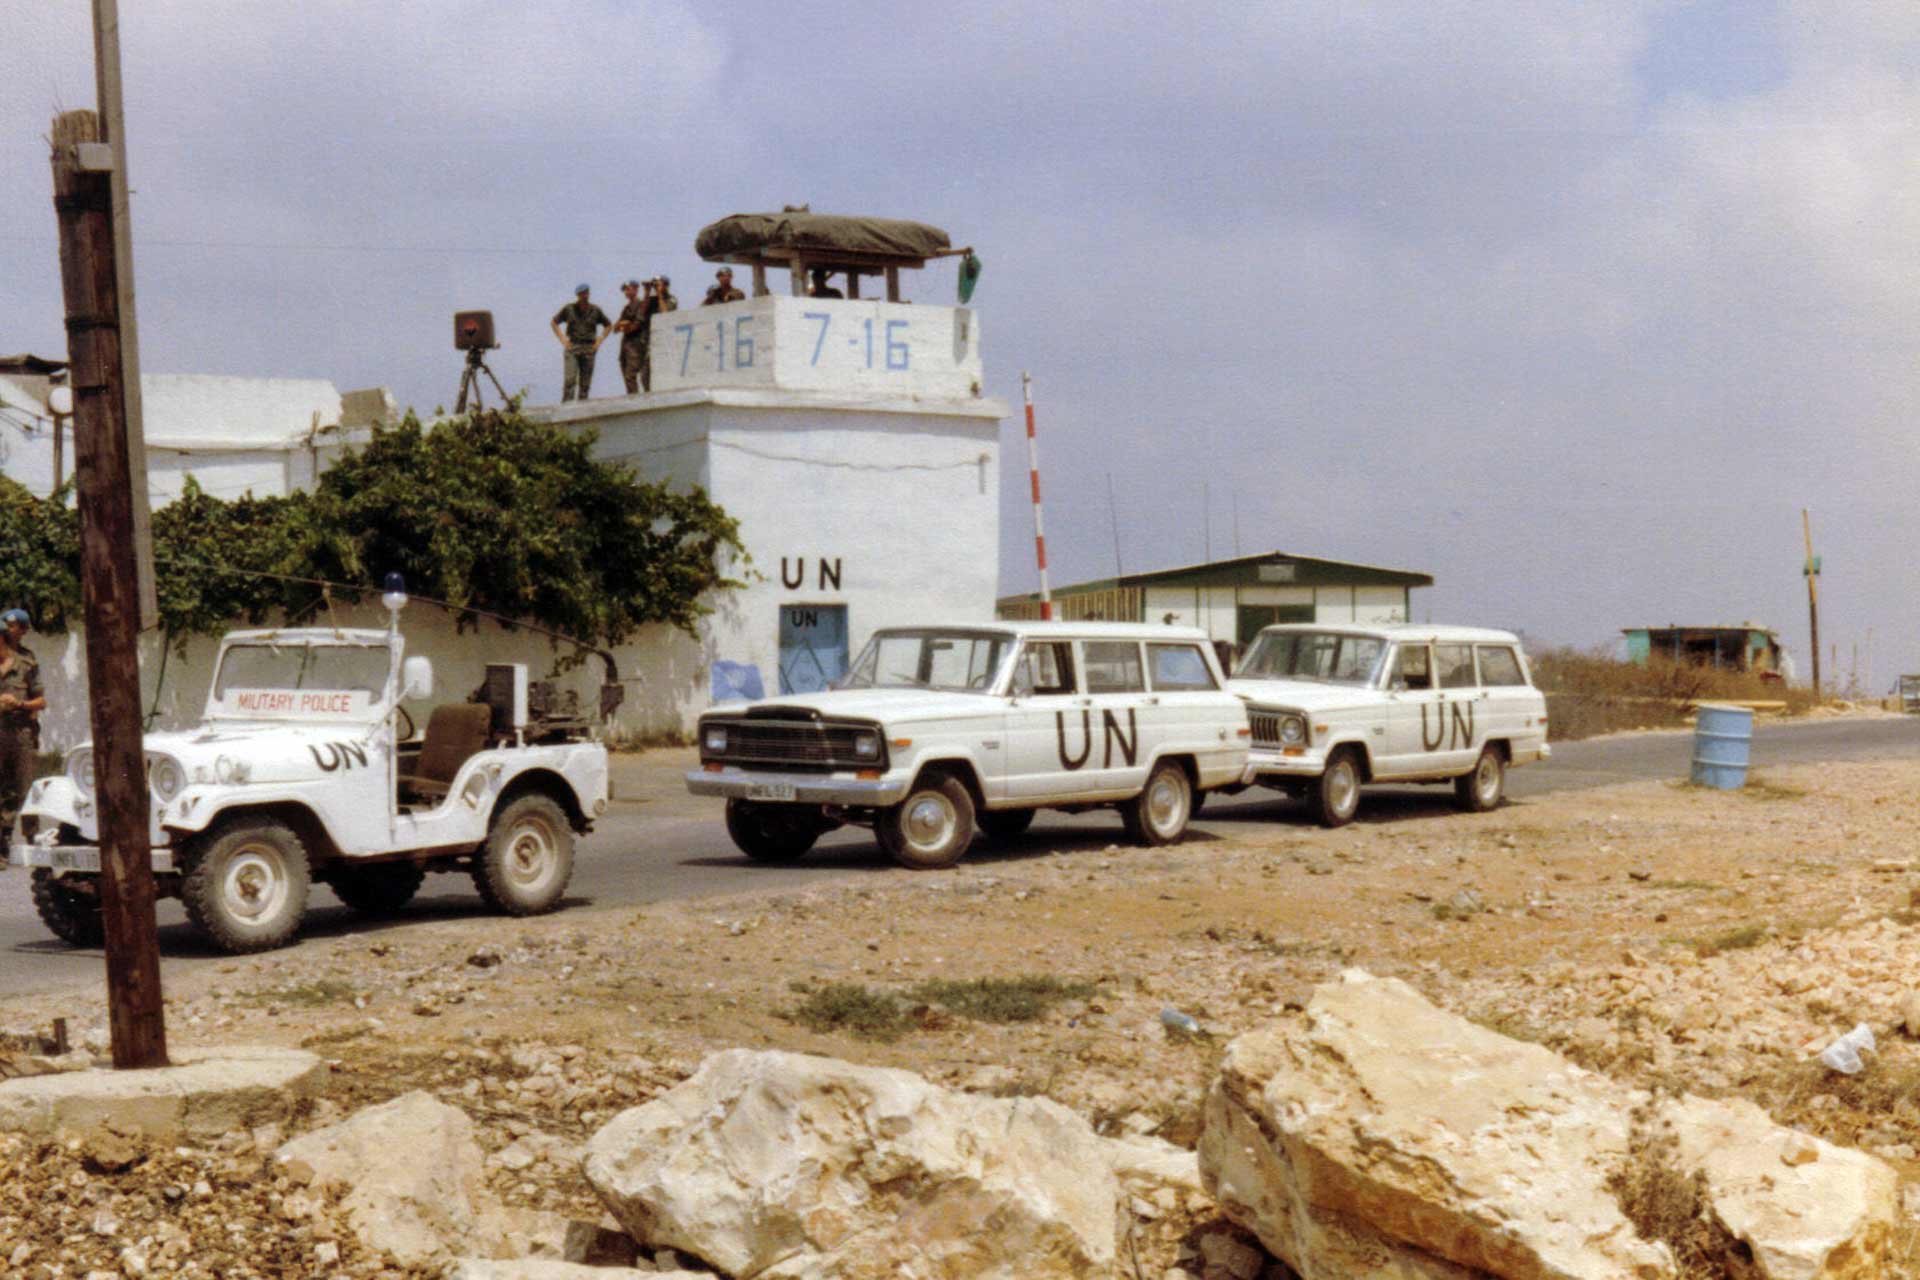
(246, 885)
(1338, 794)
(1158, 815)
(931, 828)
(524, 866)
(378, 890)
(71, 914)
(772, 832)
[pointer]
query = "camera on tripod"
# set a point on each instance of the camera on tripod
(473, 331)
(473, 334)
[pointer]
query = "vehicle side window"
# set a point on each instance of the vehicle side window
(1412, 667)
(1178, 667)
(1453, 663)
(1046, 666)
(1113, 666)
(1499, 666)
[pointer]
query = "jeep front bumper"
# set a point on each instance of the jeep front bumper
(83, 858)
(1309, 762)
(799, 788)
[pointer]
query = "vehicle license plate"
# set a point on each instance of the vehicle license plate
(64, 859)
(770, 791)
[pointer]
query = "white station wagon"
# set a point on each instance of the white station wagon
(938, 731)
(1337, 706)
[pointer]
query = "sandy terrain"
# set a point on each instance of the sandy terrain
(1662, 933)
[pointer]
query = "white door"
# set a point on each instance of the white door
(1464, 702)
(1183, 710)
(1049, 724)
(1413, 708)
(1512, 704)
(1123, 727)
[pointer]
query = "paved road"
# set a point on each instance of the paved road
(657, 842)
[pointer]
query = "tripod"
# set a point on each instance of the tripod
(470, 379)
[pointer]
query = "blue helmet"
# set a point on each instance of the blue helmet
(580, 288)
(16, 615)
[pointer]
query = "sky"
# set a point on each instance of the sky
(1574, 306)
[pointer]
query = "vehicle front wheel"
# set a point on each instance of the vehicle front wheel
(1338, 794)
(1481, 790)
(378, 890)
(246, 885)
(1004, 824)
(71, 914)
(931, 828)
(1158, 815)
(772, 832)
(524, 866)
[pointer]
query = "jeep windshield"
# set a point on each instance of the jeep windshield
(962, 661)
(299, 681)
(1330, 657)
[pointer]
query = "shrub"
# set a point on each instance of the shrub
(1591, 692)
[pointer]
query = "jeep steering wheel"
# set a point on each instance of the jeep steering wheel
(411, 728)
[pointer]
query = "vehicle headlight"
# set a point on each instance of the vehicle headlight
(165, 777)
(1293, 731)
(80, 770)
(866, 746)
(713, 738)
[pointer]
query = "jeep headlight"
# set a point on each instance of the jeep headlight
(165, 777)
(866, 745)
(713, 739)
(1293, 731)
(80, 770)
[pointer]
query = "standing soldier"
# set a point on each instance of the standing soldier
(659, 299)
(21, 702)
(632, 328)
(585, 326)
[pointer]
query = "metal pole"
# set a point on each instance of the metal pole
(1033, 470)
(1813, 601)
(102, 468)
(106, 77)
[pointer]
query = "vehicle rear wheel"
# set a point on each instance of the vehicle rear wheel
(246, 885)
(1158, 815)
(378, 890)
(1481, 790)
(1338, 792)
(772, 832)
(1004, 824)
(524, 866)
(70, 913)
(931, 828)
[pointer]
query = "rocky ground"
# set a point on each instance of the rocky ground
(1660, 933)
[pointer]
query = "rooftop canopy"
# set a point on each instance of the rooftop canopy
(802, 241)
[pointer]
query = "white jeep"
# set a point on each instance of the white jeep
(308, 768)
(1337, 706)
(938, 731)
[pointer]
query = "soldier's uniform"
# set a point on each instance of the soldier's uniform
(582, 322)
(19, 732)
(722, 293)
(636, 358)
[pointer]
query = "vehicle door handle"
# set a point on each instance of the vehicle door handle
(1152, 702)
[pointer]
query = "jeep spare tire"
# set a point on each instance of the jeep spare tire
(246, 885)
(931, 828)
(772, 832)
(69, 912)
(524, 866)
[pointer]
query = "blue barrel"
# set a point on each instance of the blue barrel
(1721, 737)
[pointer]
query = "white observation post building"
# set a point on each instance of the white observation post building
(848, 436)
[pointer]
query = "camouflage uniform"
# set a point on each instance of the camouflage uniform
(582, 322)
(722, 293)
(636, 359)
(19, 733)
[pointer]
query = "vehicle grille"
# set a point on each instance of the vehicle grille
(1266, 728)
(795, 744)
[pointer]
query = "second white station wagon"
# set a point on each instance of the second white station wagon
(1334, 707)
(936, 732)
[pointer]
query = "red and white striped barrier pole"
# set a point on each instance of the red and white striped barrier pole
(1033, 470)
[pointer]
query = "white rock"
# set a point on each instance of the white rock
(411, 1171)
(783, 1166)
(1385, 1137)
(550, 1269)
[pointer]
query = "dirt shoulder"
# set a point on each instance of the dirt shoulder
(1711, 941)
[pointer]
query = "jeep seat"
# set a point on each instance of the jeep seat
(455, 731)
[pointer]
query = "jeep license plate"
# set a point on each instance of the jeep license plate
(770, 791)
(74, 859)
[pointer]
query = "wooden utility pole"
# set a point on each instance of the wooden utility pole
(83, 201)
(1813, 600)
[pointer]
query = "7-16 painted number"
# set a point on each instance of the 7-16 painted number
(895, 350)
(742, 344)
